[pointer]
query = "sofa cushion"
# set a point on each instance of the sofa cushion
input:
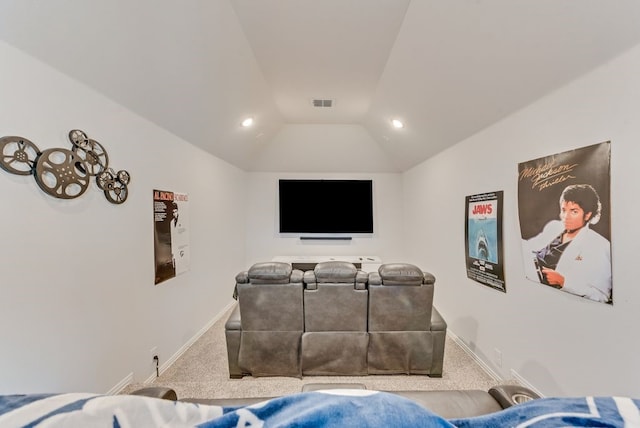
(400, 274)
(400, 308)
(271, 307)
(335, 307)
(270, 272)
(335, 271)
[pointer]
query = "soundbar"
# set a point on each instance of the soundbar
(326, 238)
(311, 266)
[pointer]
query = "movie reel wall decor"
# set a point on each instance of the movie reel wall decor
(64, 173)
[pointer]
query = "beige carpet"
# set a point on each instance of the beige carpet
(201, 372)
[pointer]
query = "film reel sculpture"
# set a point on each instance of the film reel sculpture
(63, 173)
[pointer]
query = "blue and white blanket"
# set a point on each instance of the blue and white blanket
(333, 408)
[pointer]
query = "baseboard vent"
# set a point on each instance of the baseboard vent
(322, 103)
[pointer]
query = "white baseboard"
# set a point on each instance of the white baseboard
(473, 355)
(117, 389)
(487, 368)
(190, 342)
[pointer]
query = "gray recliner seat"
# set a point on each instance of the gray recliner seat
(264, 331)
(406, 333)
(335, 341)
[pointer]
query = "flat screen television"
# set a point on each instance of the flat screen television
(326, 206)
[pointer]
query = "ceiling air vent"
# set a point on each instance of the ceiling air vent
(322, 103)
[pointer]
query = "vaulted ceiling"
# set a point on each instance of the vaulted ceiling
(446, 68)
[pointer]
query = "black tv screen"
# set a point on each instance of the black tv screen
(326, 206)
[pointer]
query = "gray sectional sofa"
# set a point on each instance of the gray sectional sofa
(334, 320)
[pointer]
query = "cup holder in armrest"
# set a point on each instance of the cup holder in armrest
(521, 398)
(510, 395)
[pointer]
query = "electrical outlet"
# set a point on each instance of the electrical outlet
(153, 353)
(498, 357)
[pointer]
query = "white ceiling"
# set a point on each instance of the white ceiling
(447, 68)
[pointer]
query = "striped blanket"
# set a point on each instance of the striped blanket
(333, 408)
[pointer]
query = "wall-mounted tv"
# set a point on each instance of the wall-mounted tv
(326, 206)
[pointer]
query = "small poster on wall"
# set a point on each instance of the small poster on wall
(565, 223)
(483, 235)
(171, 234)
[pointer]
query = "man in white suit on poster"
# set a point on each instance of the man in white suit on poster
(568, 254)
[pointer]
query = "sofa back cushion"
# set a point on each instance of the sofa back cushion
(403, 274)
(335, 272)
(271, 298)
(270, 273)
(400, 298)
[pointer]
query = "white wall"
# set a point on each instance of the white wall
(559, 343)
(320, 148)
(264, 241)
(79, 310)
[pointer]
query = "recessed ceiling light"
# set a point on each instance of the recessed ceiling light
(247, 122)
(397, 124)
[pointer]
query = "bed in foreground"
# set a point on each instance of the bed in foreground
(329, 408)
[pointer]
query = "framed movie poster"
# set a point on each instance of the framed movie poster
(565, 223)
(483, 236)
(171, 234)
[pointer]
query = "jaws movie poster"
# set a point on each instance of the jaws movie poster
(483, 235)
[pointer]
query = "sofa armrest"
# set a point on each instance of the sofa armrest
(361, 280)
(157, 392)
(437, 322)
(242, 277)
(234, 322)
(439, 332)
(233, 334)
(454, 403)
(429, 278)
(510, 395)
(310, 281)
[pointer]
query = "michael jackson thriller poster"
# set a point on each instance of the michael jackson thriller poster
(565, 221)
(483, 235)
